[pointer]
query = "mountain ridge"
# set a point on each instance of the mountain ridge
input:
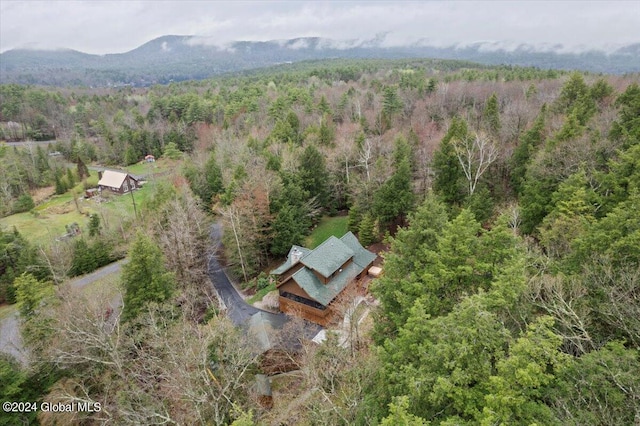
(183, 57)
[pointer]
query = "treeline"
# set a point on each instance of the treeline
(510, 205)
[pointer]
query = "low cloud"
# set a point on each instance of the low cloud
(112, 27)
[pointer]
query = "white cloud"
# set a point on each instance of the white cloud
(117, 26)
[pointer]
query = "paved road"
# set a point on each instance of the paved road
(98, 274)
(10, 339)
(238, 310)
(32, 143)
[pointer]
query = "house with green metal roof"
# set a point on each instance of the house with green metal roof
(309, 281)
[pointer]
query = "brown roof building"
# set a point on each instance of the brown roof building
(117, 182)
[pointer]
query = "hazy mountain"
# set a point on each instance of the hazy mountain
(176, 58)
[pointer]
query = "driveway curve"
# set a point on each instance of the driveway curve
(238, 310)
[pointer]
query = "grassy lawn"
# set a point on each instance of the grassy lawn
(261, 293)
(160, 166)
(48, 219)
(51, 217)
(328, 226)
(49, 223)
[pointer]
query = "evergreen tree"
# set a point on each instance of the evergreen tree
(432, 85)
(16, 257)
(213, 177)
(354, 218)
(292, 209)
(394, 199)
(130, 155)
(492, 115)
(391, 105)
(522, 154)
(82, 169)
(535, 200)
(24, 203)
(367, 233)
(205, 182)
(171, 151)
(326, 132)
(289, 227)
(61, 187)
(399, 414)
(480, 203)
(323, 106)
(449, 179)
(29, 294)
(94, 225)
(627, 127)
(145, 278)
(71, 178)
(411, 250)
(576, 98)
(83, 260)
(571, 215)
(12, 383)
(314, 177)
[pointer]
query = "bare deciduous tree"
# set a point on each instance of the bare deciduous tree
(182, 228)
(475, 155)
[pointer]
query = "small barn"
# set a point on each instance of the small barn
(117, 182)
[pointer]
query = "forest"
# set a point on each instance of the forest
(506, 198)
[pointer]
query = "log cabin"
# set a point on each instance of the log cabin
(310, 281)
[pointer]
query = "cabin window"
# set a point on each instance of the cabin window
(125, 187)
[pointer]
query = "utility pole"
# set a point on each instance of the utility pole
(133, 200)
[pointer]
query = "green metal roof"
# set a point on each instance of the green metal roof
(288, 263)
(325, 293)
(362, 257)
(326, 259)
(328, 256)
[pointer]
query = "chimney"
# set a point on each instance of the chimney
(296, 255)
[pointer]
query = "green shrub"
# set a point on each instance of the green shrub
(24, 203)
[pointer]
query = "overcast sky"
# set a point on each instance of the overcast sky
(101, 26)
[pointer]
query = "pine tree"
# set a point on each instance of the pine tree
(314, 176)
(289, 227)
(71, 178)
(172, 152)
(367, 233)
(448, 182)
(61, 187)
(145, 278)
(492, 115)
(529, 142)
(395, 197)
(94, 225)
(29, 294)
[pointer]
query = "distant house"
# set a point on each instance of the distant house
(149, 158)
(310, 281)
(117, 182)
